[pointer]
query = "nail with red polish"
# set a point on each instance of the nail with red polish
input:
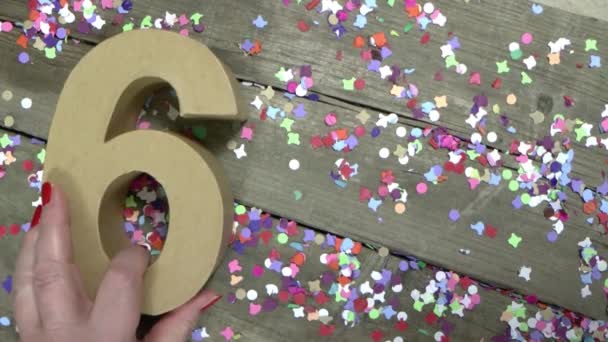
(210, 304)
(47, 189)
(36, 217)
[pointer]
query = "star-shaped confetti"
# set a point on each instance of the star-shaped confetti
(240, 152)
(5, 141)
(441, 101)
(287, 123)
(524, 272)
(257, 103)
(514, 240)
(228, 333)
(349, 84)
(259, 22)
(590, 45)
(284, 75)
(502, 67)
(530, 62)
(293, 138)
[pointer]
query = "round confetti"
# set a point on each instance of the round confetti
(476, 138)
(384, 153)
(23, 57)
(26, 103)
(527, 38)
(552, 236)
(9, 121)
(492, 137)
(511, 99)
(428, 8)
(461, 69)
(514, 46)
(404, 160)
(421, 188)
(472, 289)
(282, 238)
(383, 252)
(61, 33)
(319, 239)
(5, 321)
(525, 198)
(507, 174)
(6, 26)
(294, 164)
(231, 145)
(7, 95)
(454, 215)
(240, 294)
(513, 185)
(330, 119)
(434, 115)
(401, 131)
(252, 295)
(399, 208)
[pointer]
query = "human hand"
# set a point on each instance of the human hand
(52, 305)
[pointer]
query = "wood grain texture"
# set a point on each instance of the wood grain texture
(278, 325)
(229, 22)
(425, 230)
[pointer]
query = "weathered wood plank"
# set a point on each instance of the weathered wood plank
(424, 232)
(278, 325)
(229, 22)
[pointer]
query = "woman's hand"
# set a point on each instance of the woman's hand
(50, 300)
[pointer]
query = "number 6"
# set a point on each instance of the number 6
(93, 155)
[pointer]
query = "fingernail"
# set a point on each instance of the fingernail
(47, 189)
(36, 217)
(210, 304)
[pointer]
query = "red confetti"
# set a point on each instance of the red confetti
(14, 229)
(377, 335)
(326, 330)
(359, 84)
(425, 38)
(430, 318)
(303, 26)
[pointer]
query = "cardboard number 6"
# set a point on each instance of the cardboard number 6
(94, 153)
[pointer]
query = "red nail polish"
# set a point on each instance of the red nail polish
(36, 217)
(211, 303)
(47, 189)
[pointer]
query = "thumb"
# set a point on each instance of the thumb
(178, 324)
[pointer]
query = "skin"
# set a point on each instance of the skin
(51, 303)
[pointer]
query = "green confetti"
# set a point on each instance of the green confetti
(496, 108)
(450, 61)
(418, 305)
(455, 306)
(514, 240)
(127, 27)
(374, 313)
(5, 141)
(513, 185)
(282, 238)
(408, 27)
(281, 75)
(590, 44)
(200, 132)
(89, 11)
(507, 174)
(349, 84)
(525, 79)
(293, 138)
(240, 209)
(394, 33)
(130, 202)
(390, 2)
(41, 156)
(516, 55)
(297, 195)
(196, 18)
(502, 67)
(525, 198)
(423, 332)
(50, 53)
(146, 22)
(287, 123)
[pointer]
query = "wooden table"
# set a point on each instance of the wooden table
(263, 179)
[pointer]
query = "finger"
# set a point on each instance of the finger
(178, 324)
(118, 303)
(59, 298)
(26, 313)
